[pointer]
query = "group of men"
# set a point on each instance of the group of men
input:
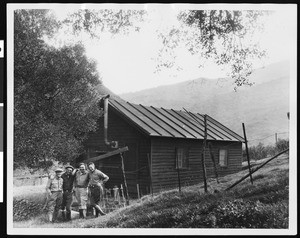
(81, 182)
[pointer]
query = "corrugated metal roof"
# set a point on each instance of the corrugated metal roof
(173, 123)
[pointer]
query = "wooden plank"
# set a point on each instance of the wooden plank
(109, 154)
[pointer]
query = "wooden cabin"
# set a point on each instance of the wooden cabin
(161, 142)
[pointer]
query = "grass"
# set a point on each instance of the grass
(261, 205)
(36, 194)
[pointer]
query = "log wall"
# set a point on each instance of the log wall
(164, 173)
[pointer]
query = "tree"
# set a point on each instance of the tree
(224, 36)
(55, 88)
(55, 101)
(95, 22)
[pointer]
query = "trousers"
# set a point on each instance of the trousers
(67, 200)
(81, 195)
(96, 195)
(55, 201)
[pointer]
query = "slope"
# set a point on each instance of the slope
(265, 204)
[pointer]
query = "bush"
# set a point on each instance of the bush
(282, 144)
(261, 151)
(258, 152)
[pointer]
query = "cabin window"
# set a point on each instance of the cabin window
(223, 157)
(182, 158)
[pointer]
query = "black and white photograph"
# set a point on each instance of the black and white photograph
(147, 119)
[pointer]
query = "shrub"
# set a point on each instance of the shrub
(261, 151)
(258, 152)
(282, 144)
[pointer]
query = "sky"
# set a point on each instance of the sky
(127, 63)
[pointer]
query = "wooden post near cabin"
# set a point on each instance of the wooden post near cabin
(213, 160)
(204, 145)
(122, 194)
(150, 172)
(247, 152)
(203, 150)
(203, 155)
(124, 177)
(138, 190)
(178, 172)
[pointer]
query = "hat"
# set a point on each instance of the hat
(69, 166)
(58, 170)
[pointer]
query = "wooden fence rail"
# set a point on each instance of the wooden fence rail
(254, 170)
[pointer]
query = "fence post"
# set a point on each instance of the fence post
(124, 177)
(203, 154)
(178, 173)
(150, 172)
(213, 160)
(138, 190)
(122, 194)
(204, 145)
(247, 152)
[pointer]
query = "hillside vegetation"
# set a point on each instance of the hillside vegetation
(262, 107)
(261, 205)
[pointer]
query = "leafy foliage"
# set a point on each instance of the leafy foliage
(224, 36)
(282, 144)
(56, 95)
(261, 151)
(105, 20)
(55, 100)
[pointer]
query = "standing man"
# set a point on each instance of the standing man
(68, 180)
(54, 189)
(81, 188)
(97, 179)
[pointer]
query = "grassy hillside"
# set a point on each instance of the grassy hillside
(262, 107)
(261, 205)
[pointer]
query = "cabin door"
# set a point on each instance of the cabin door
(131, 167)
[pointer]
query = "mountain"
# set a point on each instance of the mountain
(103, 91)
(262, 107)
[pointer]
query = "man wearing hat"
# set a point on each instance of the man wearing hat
(55, 188)
(68, 180)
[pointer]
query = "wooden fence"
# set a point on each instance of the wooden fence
(30, 180)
